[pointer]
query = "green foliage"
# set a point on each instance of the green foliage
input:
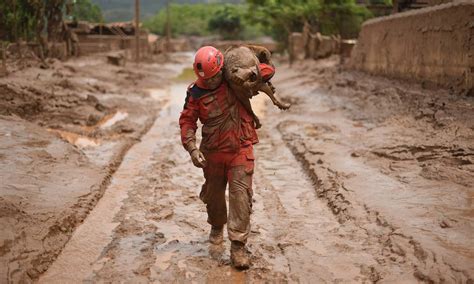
(122, 10)
(21, 18)
(186, 19)
(381, 2)
(227, 22)
(281, 17)
(85, 10)
(32, 19)
(342, 17)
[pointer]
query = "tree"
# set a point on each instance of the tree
(227, 22)
(282, 17)
(186, 19)
(18, 19)
(85, 10)
(342, 17)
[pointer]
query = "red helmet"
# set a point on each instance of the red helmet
(207, 62)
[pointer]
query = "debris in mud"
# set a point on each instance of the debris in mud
(116, 59)
(445, 224)
(370, 273)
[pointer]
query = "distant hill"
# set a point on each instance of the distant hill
(123, 10)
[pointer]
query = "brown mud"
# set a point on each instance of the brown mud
(150, 225)
(63, 133)
(395, 159)
(362, 180)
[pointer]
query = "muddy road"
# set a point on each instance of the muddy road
(151, 226)
(326, 209)
(63, 133)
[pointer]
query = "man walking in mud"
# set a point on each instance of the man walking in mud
(225, 153)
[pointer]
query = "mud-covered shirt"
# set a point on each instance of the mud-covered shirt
(227, 126)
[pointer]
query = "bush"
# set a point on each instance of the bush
(226, 21)
(229, 21)
(282, 17)
(28, 19)
(342, 17)
(85, 10)
(186, 19)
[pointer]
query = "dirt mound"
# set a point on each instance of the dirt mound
(33, 104)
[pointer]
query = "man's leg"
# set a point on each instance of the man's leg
(240, 205)
(213, 195)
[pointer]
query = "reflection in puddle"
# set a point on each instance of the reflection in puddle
(76, 139)
(174, 95)
(159, 94)
(83, 141)
(186, 75)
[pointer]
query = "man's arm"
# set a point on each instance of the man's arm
(188, 123)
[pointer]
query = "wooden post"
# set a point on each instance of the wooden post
(168, 26)
(4, 70)
(137, 30)
(101, 41)
(16, 22)
(395, 7)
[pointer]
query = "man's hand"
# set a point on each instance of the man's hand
(198, 159)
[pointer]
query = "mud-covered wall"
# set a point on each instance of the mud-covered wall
(431, 45)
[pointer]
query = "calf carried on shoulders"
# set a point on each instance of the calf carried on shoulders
(248, 70)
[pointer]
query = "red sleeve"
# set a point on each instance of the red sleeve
(188, 122)
(267, 71)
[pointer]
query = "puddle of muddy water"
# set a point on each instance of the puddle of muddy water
(187, 75)
(76, 139)
(158, 94)
(175, 96)
(83, 141)
(179, 64)
(110, 120)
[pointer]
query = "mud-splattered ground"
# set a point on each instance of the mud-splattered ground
(151, 226)
(396, 159)
(63, 133)
(362, 180)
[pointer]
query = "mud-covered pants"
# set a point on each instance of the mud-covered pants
(236, 169)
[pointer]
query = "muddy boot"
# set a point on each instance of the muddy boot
(238, 255)
(216, 236)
